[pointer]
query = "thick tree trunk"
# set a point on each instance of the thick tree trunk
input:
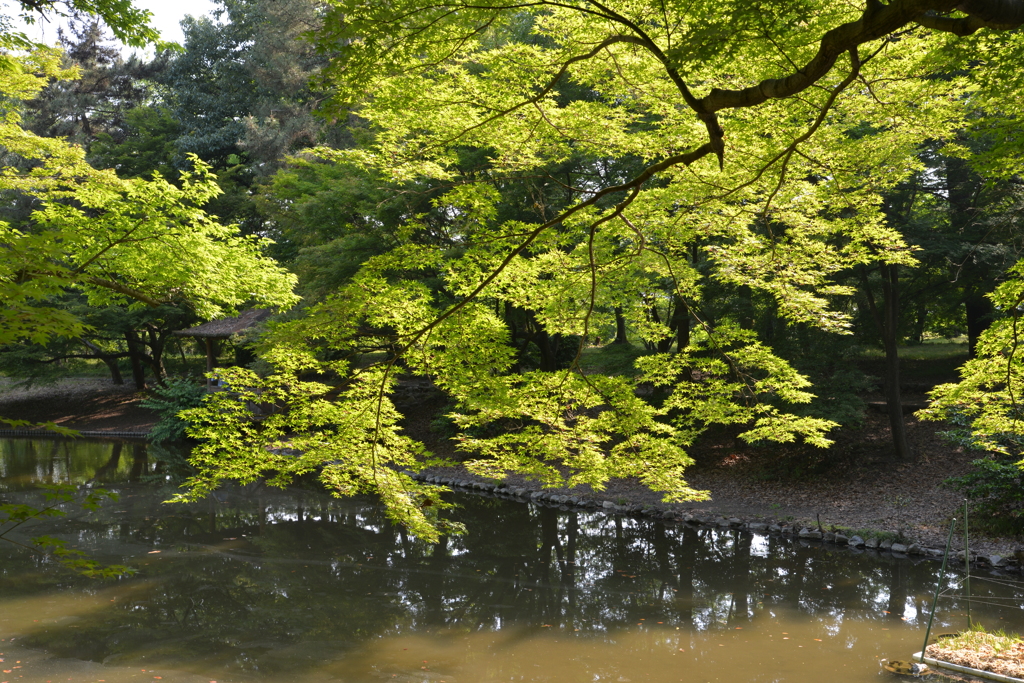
(109, 360)
(620, 328)
(681, 324)
(135, 356)
(547, 345)
(979, 316)
(114, 368)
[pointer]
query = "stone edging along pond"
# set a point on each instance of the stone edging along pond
(568, 502)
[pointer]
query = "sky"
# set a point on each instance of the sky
(166, 15)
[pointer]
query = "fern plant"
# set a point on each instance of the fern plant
(168, 401)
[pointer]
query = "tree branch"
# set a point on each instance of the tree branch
(875, 22)
(1001, 15)
(122, 289)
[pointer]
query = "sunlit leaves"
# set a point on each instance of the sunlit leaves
(990, 394)
(654, 212)
(348, 438)
(119, 241)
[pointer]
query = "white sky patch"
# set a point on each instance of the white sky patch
(167, 16)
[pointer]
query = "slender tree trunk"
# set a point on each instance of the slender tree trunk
(681, 324)
(893, 398)
(919, 323)
(157, 344)
(887, 320)
(108, 360)
(211, 361)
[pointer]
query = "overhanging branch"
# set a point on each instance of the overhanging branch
(1000, 15)
(877, 21)
(122, 289)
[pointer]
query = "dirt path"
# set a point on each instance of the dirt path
(88, 404)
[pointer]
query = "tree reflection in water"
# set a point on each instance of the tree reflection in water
(268, 580)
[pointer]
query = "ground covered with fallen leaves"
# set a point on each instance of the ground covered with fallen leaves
(983, 657)
(78, 403)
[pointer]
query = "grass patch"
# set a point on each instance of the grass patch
(611, 359)
(976, 637)
(931, 350)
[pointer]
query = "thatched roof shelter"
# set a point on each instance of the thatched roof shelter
(223, 329)
(226, 327)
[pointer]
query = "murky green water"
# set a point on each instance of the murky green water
(268, 585)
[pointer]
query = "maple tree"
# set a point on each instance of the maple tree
(136, 242)
(762, 137)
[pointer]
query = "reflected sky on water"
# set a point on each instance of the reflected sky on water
(260, 584)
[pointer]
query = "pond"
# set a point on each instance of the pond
(260, 584)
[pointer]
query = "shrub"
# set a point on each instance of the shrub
(168, 401)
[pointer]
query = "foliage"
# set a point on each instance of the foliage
(240, 87)
(146, 146)
(129, 24)
(996, 489)
(168, 400)
(983, 408)
(988, 394)
(96, 102)
(357, 448)
(521, 180)
(118, 241)
(14, 515)
(735, 153)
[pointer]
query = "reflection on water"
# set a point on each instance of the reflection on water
(25, 463)
(261, 584)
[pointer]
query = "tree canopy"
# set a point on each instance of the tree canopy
(117, 241)
(499, 185)
(741, 145)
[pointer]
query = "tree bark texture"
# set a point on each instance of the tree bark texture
(135, 356)
(887, 318)
(893, 397)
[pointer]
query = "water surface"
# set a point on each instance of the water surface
(260, 584)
